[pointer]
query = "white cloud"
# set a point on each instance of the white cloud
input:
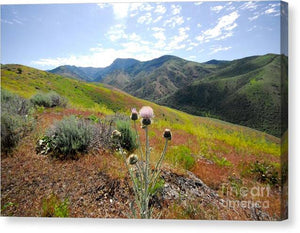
(192, 57)
(253, 17)
(116, 32)
(159, 18)
(175, 9)
(7, 21)
(219, 48)
(101, 57)
(133, 14)
(275, 4)
(225, 35)
(103, 5)
(158, 29)
(146, 18)
(134, 37)
(160, 9)
(174, 21)
(13, 21)
(159, 36)
(18, 21)
(222, 30)
(198, 3)
(120, 10)
(193, 44)
(146, 7)
(199, 25)
(176, 41)
(135, 6)
(249, 6)
(230, 8)
(270, 11)
(217, 9)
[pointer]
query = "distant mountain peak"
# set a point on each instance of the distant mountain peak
(216, 62)
(124, 60)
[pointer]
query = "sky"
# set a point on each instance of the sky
(45, 36)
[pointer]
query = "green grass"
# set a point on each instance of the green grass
(180, 156)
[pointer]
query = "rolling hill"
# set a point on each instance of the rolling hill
(250, 91)
(246, 91)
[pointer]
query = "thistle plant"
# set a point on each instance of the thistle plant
(143, 177)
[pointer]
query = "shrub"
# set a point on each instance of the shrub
(11, 131)
(48, 100)
(57, 100)
(181, 156)
(265, 173)
(69, 137)
(14, 104)
(127, 140)
(41, 100)
(16, 120)
(75, 135)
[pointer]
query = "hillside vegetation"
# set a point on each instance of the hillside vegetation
(251, 92)
(246, 91)
(215, 151)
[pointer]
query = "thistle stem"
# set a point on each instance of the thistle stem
(143, 168)
(158, 165)
(138, 141)
(146, 200)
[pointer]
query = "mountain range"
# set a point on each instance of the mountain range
(251, 91)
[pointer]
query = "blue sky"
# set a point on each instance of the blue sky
(46, 36)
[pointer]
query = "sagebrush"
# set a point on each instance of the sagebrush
(48, 100)
(16, 120)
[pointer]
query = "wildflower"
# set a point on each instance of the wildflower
(147, 114)
(134, 114)
(168, 134)
(116, 134)
(133, 159)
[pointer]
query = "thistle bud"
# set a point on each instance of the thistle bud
(146, 121)
(116, 134)
(168, 134)
(133, 159)
(134, 114)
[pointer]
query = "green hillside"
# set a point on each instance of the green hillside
(250, 92)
